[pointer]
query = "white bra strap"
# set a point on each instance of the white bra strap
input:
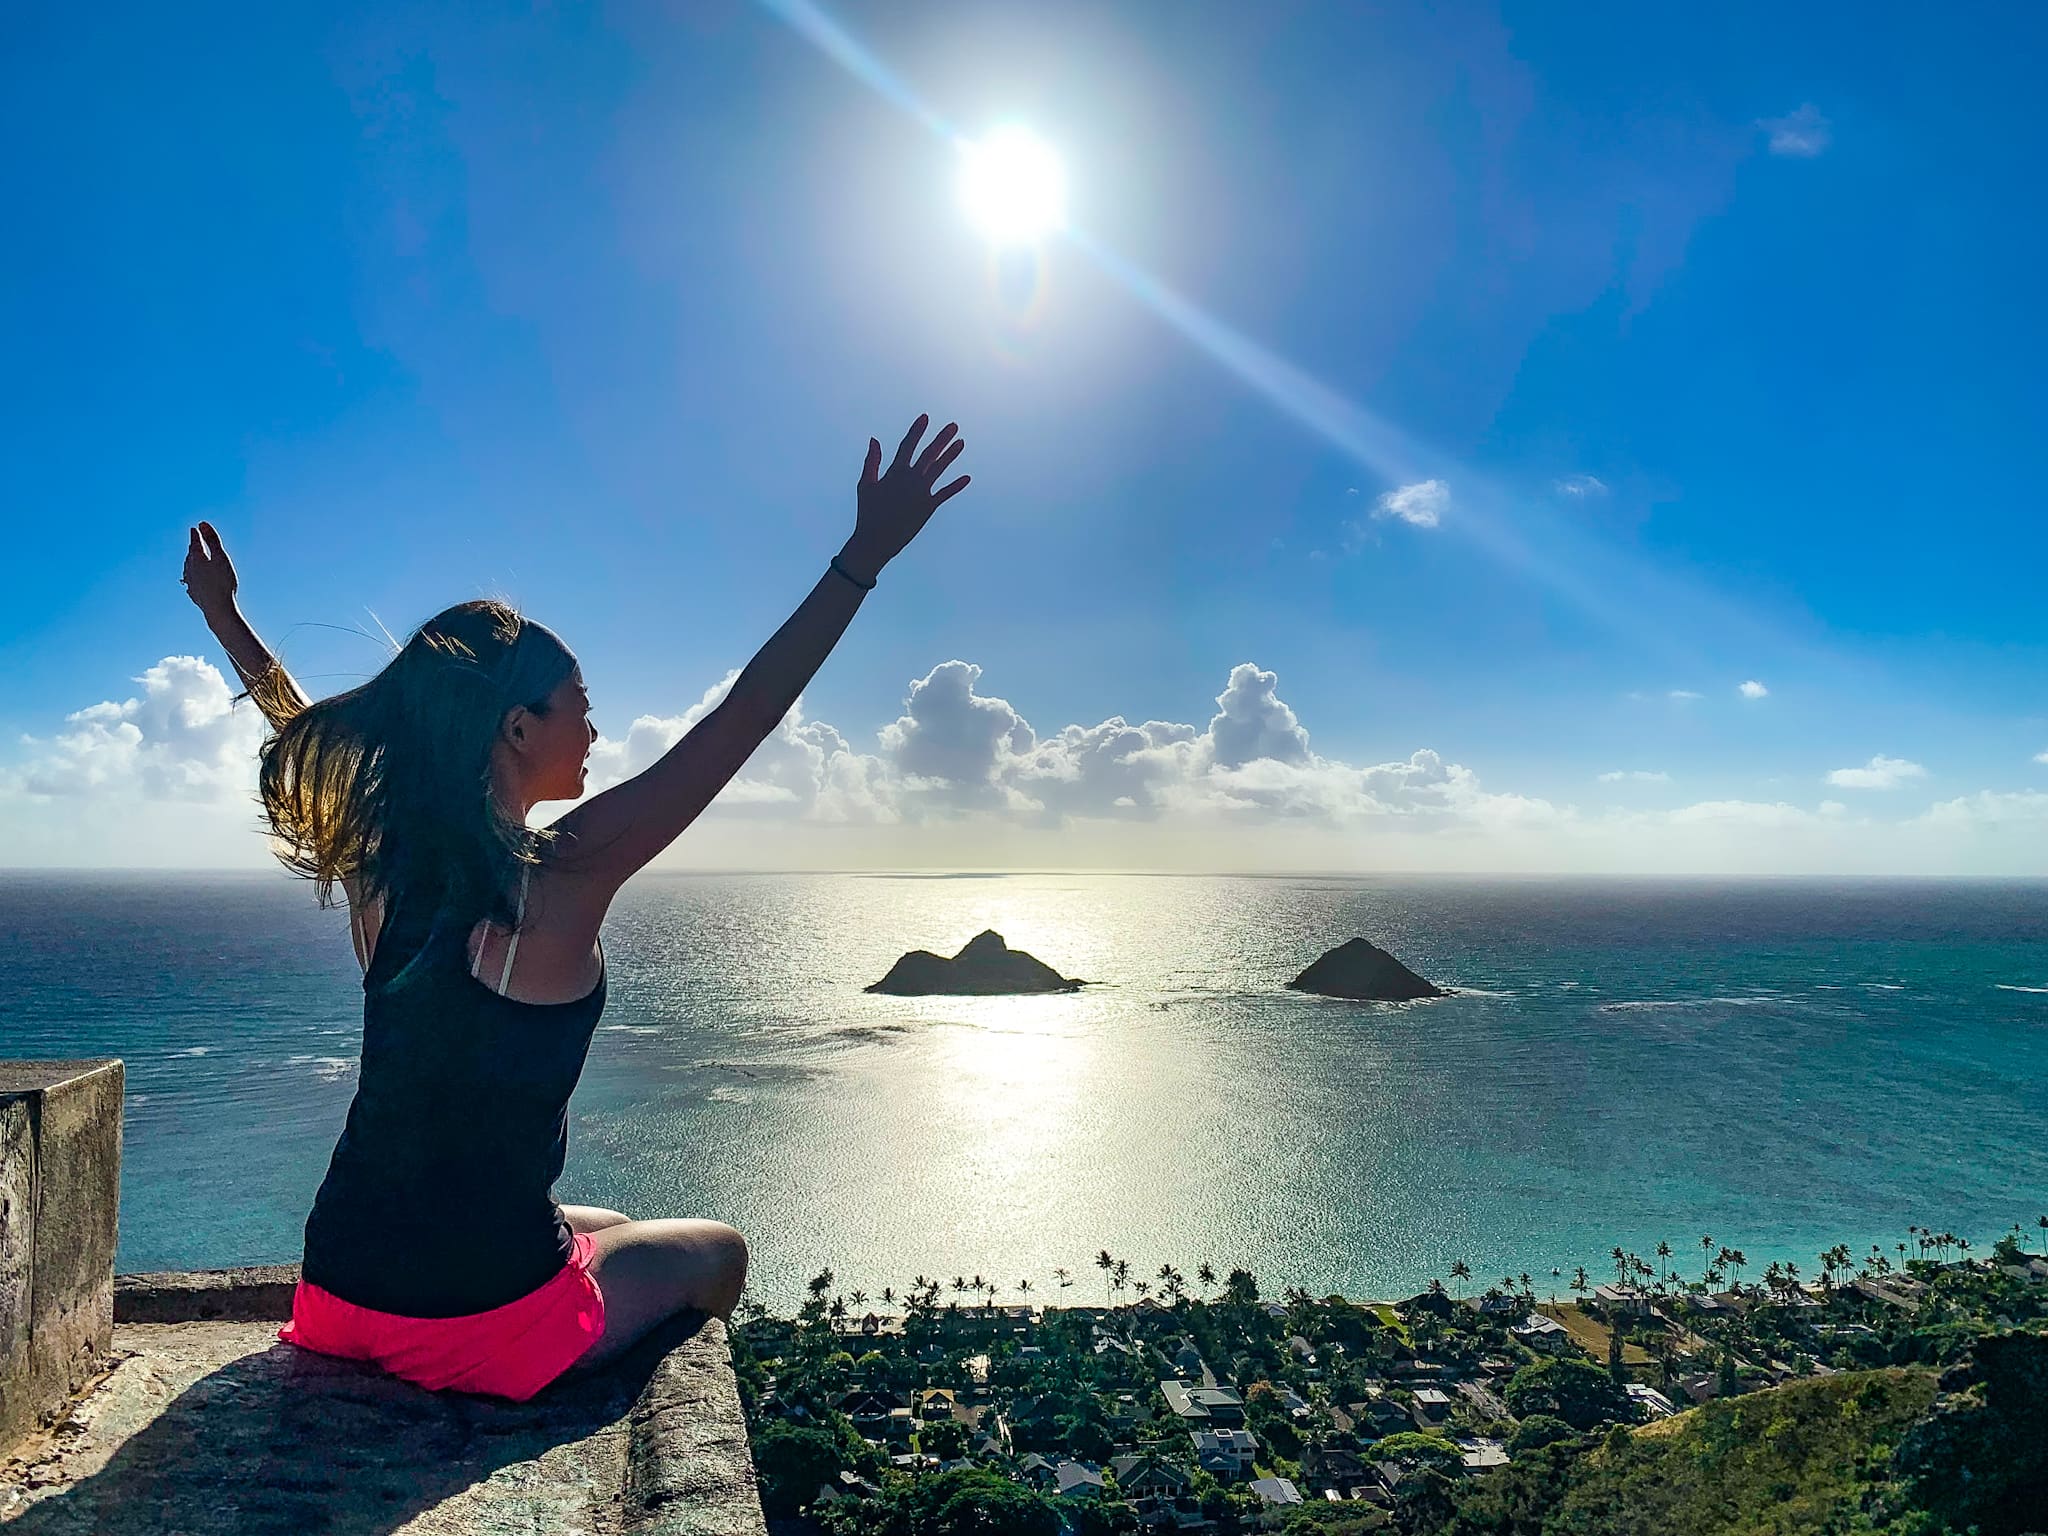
(505, 977)
(512, 948)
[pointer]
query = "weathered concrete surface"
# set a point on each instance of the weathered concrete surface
(247, 1294)
(60, 1178)
(217, 1427)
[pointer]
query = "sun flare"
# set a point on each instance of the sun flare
(1012, 186)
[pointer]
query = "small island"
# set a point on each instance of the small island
(1363, 972)
(987, 967)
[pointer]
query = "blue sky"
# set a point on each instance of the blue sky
(1712, 343)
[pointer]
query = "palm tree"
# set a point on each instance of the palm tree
(1122, 1275)
(1205, 1274)
(2042, 1223)
(1024, 1289)
(1554, 1273)
(857, 1299)
(1063, 1277)
(1460, 1270)
(1528, 1295)
(1579, 1281)
(1707, 1252)
(1105, 1263)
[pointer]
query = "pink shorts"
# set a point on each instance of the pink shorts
(510, 1351)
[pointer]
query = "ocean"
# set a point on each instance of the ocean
(1780, 1065)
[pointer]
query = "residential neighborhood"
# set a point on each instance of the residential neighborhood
(1212, 1408)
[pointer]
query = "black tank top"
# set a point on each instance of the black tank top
(439, 1199)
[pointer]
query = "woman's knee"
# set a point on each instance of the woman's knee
(730, 1256)
(593, 1218)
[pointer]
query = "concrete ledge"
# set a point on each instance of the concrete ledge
(250, 1294)
(213, 1425)
(60, 1184)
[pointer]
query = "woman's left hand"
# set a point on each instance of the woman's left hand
(894, 506)
(209, 574)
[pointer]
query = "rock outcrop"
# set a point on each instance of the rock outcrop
(1364, 972)
(987, 967)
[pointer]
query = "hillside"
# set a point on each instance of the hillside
(1799, 1460)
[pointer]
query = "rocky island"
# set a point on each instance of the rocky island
(1363, 972)
(987, 967)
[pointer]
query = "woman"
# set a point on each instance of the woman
(435, 1247)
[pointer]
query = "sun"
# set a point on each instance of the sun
(1012, 186)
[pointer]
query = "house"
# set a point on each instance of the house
(1180, 1353)
(1225, 1453)
(1496, 1303)
(1631, 1300)
(1301, 1349)
(1706, 1304)
(1337, 1470)
(1039, 1473)
(1276, 1490)
(1542, 1333)
(1203, 1405)
(914, 1462)
(1157, 1489)
(885, 1414)
(1296, 1405)
(1072, 1478)
(1650, 1400)
(1701, 1388)
(1432, 1406)
(1146, 1477)
(936, 1403)
(1377, 1416)
(1479, 1453)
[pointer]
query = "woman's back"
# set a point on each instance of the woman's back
(461, 1110)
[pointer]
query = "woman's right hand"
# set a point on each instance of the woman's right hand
(893, 507)
(209, 575)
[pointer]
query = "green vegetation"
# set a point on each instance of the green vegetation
(1907, 1398)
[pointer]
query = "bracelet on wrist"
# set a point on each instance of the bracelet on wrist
(865, 586)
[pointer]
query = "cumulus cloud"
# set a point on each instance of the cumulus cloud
(1801, 133)
(1581, 486)
(804, 768)
(1753, 690)
(181, 738)
(2041, 757)
(1423, 503)
(961, 778)
(1990, 808)
(1880, 772)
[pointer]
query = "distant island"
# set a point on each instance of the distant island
(986, 967)
(1363, 972)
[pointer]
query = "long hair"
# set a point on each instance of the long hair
(389, 784)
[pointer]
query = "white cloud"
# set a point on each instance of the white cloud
(962, 780)
(1581, 485)
(1683, 694)
(1423, 503)
(1801, 133)
(180, 739)
(1753, 690)
(1989, 808)
(2041, 757)
(1880, 772)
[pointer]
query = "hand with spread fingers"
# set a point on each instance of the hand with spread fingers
(209, 574)
(895, 504)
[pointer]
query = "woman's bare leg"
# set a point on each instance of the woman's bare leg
(651, 1270)
(592, 1218)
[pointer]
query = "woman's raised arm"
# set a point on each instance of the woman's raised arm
(602, 842)
(210, 582)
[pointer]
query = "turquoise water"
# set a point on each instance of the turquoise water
(1781, 1065)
